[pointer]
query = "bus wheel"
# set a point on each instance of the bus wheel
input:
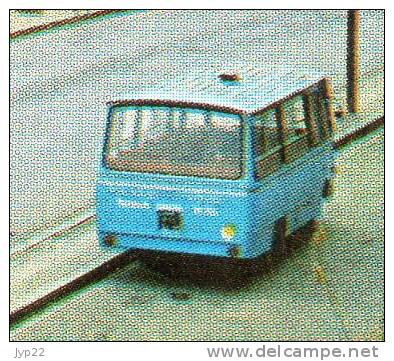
(303, 235)
(310, 229)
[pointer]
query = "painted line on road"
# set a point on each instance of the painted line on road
(104, 270)
(59, 23)
(58, 233)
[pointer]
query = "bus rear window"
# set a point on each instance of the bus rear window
(175, 141)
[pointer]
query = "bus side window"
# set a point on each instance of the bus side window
(267, 143)
(323, 113)
(267, 136)
(298, 134)
(295, 118)
(320, 108)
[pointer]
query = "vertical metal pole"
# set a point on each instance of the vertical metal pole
(353, 60)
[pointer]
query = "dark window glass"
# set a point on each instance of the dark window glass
(176, 141)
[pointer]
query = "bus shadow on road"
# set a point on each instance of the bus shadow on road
(227, 275)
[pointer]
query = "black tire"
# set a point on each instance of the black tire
(303, 235)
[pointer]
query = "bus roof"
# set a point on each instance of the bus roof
(254, 91)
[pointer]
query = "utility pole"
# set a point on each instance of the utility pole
(353, 60)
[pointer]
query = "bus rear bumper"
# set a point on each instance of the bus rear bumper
(222, 250)
(122, 242)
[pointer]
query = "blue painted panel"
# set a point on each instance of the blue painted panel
(134, 209)
(295, 190)
(128, 205)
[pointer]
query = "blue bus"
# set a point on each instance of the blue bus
(227, 172)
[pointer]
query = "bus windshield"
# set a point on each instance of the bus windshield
(175, 141)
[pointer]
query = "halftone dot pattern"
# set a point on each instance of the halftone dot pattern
(61, 80)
